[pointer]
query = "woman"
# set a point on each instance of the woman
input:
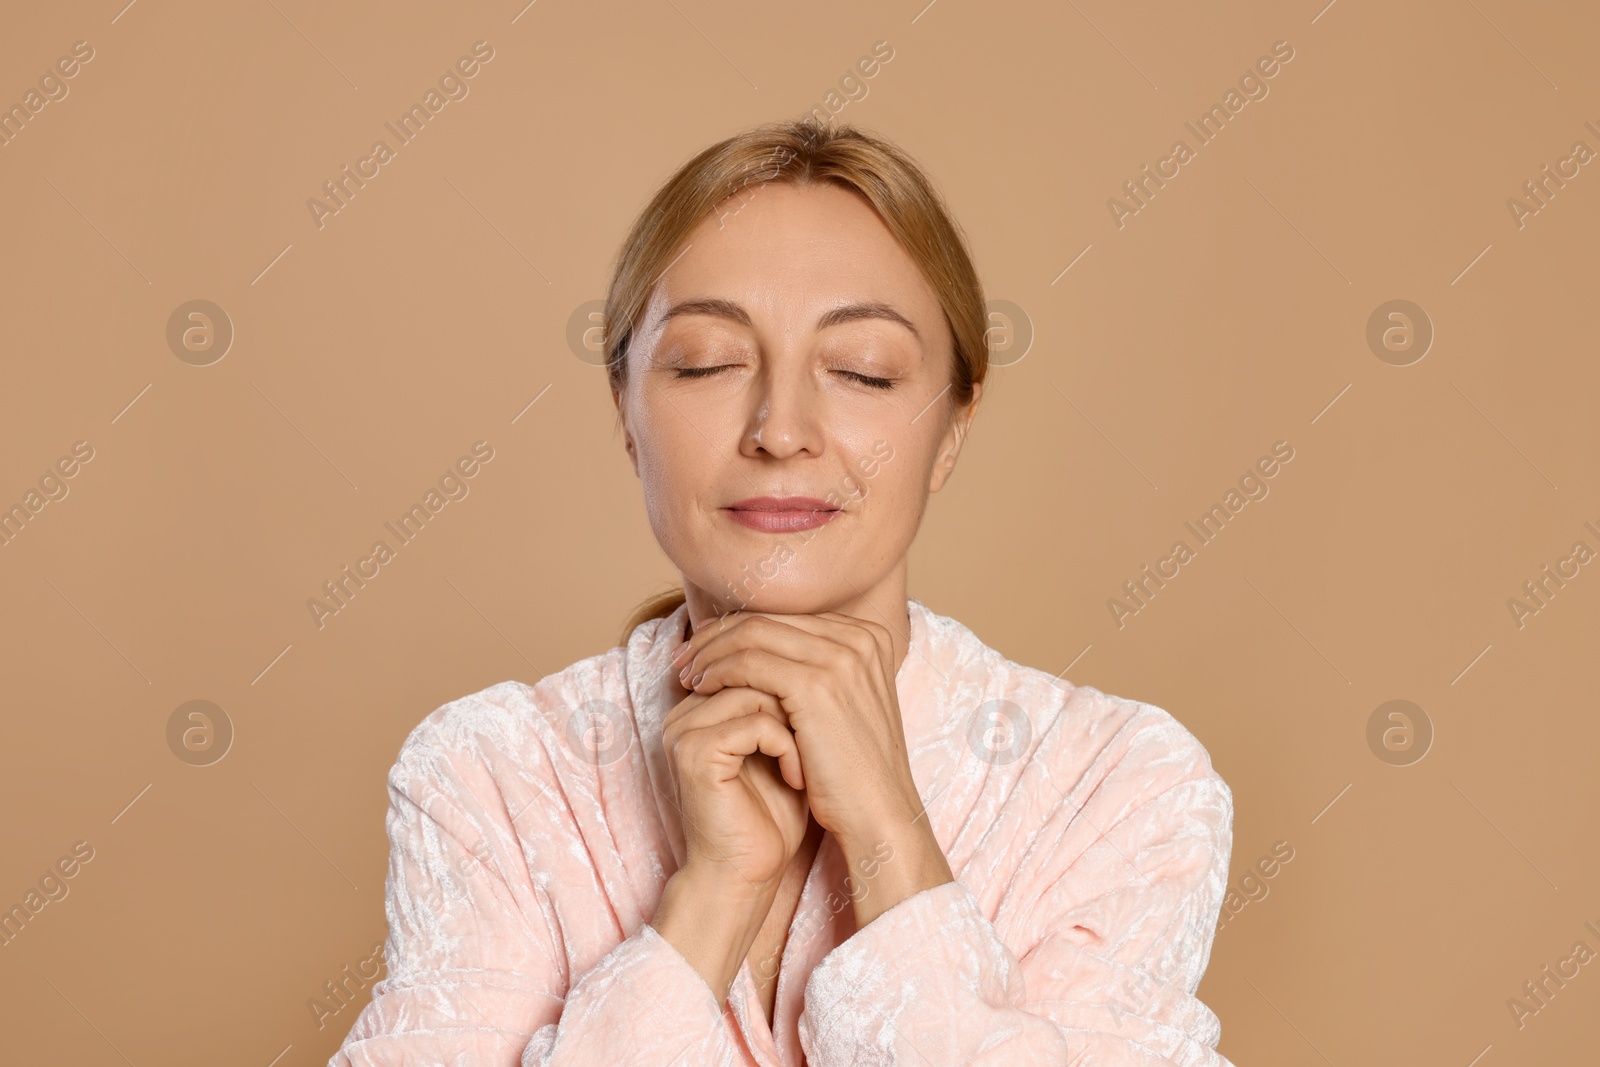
(797, 817)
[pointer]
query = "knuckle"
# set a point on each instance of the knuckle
(688, 746)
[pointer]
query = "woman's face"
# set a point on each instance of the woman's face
(791, 350)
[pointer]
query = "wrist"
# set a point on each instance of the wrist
(726, 889)
(883, 826)
(901, 862)
(712, 924)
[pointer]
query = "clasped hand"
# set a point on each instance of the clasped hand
(833, 677)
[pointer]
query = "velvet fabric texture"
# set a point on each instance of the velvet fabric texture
(532, 832)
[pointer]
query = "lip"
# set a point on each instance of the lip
(781, 514)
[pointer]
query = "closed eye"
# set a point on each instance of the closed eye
(866, 379)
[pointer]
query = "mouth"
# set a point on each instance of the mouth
(781, 514)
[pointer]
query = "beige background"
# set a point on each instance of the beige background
(1228, 314)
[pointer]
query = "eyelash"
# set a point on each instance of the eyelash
(864, 379)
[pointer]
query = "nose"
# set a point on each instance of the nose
(785, 417)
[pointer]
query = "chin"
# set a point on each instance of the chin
(789, 598)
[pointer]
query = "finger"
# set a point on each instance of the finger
(789, 765)
(758, 669)
(719, 750)
(868, 639)
(703, 630)
(680, 709)
(707, 709)
(724, 705)
(882, 637)
(709, 628)
(801, 638)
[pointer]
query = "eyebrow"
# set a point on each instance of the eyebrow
(727, 309)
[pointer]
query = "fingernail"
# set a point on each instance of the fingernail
(684, 674)
(696, 679)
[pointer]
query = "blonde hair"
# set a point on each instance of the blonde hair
(801, 152)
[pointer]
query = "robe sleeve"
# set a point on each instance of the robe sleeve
(1117, 916)
(477, 976)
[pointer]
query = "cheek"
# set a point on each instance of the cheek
(886, 480)
(678, 468)
(893, 504)
(667, 467)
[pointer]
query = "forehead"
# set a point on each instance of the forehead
(791, 253)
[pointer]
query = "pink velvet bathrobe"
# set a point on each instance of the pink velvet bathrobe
(531, 835)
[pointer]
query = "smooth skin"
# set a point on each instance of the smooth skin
(735, 389)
